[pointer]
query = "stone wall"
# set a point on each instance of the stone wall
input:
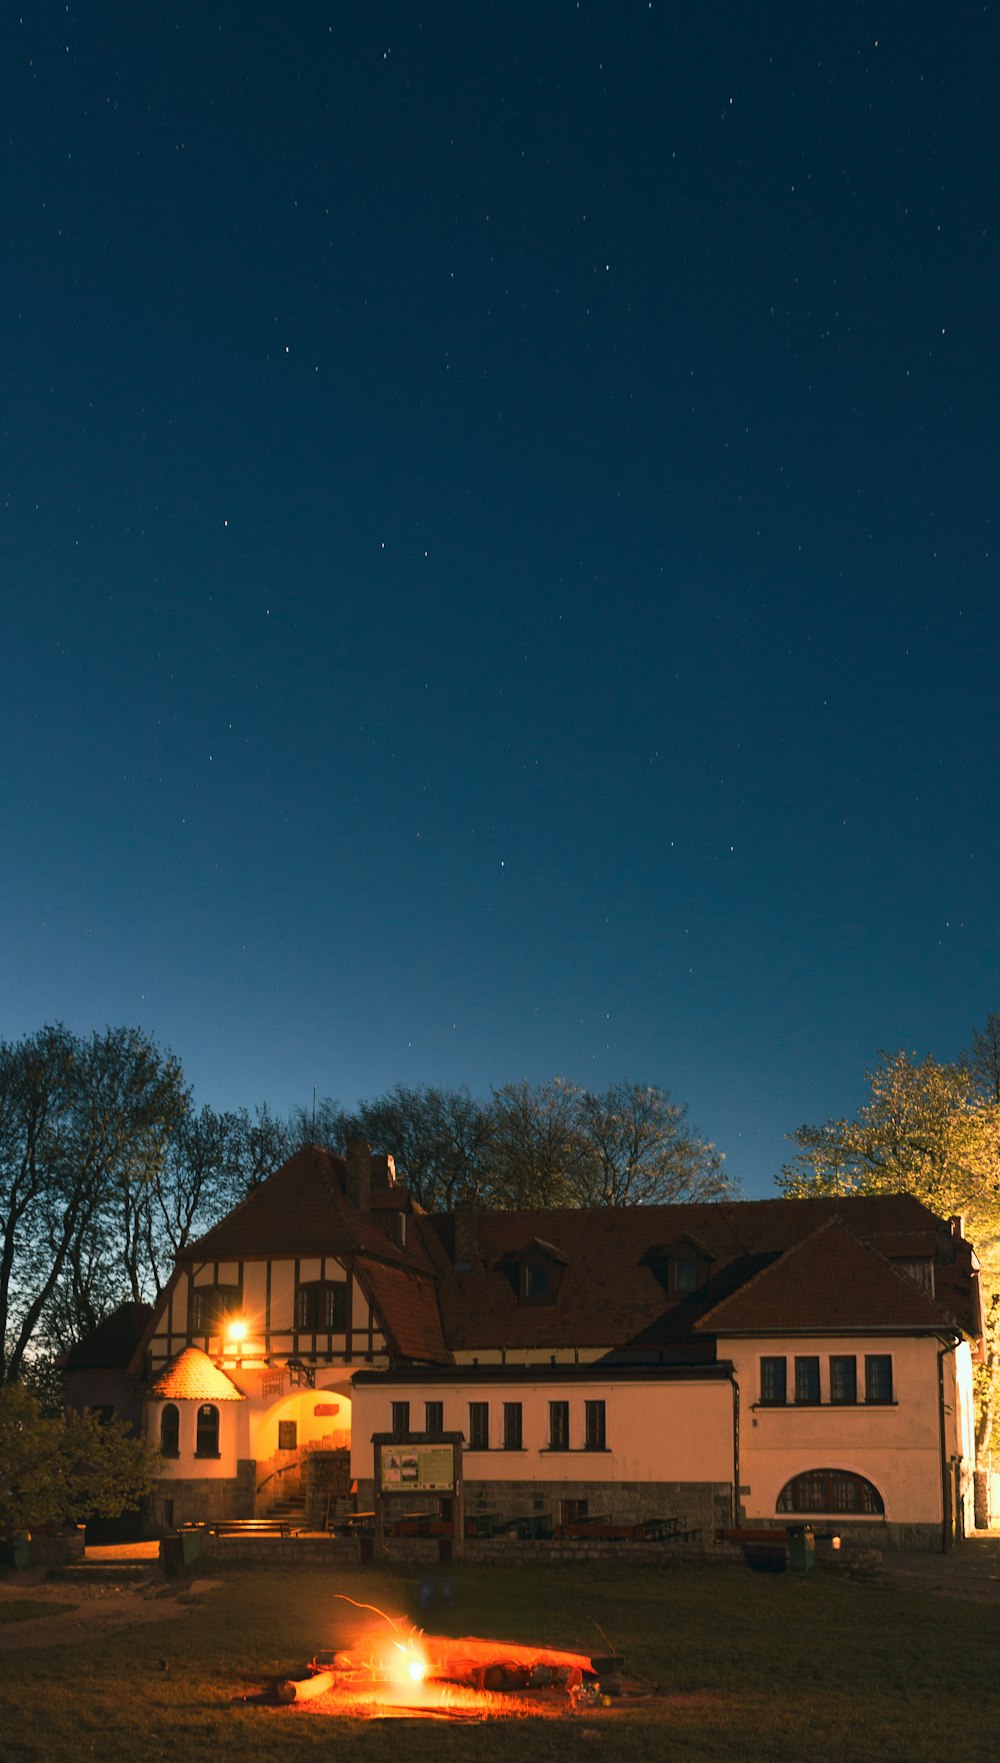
(191, 1500)
(705, 1505)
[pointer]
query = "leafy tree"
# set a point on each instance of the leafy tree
(67, 1469)
(931, 1130)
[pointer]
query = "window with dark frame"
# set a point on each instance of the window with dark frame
(479, 1426)
(830, 1490)
(170, 1431)
(595, 1427)
(207, 1431)
(400, 1419)
(807, 1379)
(774, 1381)
(878, 1377)
(843, 1377)
(211, 1307)
(321, 1307)
(512, 1426)
(434, 1417)
(558, 1426)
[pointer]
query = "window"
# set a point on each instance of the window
(288, 1435)
(512, 1428)
(594, 1424)
(558, 1426)
(211, 1306)
(843, 1377)
(400, 1418)
(321, 1308)
(207, 1432)
(479, 1426)
(831, 1490)
(434, 1417)
(807, 1379)
(773, 1382)
(170, 1431)
(572, 1511)
(535, 1284)
(685, 1271)
(878, 1377)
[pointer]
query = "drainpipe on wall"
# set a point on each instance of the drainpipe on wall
(736, 1448)
(946, 1527)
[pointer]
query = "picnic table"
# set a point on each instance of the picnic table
(530, 1524)
(482, 1524)
(674, 1529)
(360, 1524)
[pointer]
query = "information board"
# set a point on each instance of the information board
(418, 1469)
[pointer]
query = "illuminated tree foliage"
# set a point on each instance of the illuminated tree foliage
(931, 1130)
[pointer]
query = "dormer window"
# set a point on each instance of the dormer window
(535, 1272)
(684, 1274)
(682, 1267)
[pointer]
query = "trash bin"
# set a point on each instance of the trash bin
(190, 1543)
(801, 1547)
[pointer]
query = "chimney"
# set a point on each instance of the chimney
(383, 1171)
(358, 1181)
(466, 1234)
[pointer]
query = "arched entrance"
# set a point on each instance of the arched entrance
(302, 1449)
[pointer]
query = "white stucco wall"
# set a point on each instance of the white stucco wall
(656, 1431)
(895, 1446)
(234, 1440)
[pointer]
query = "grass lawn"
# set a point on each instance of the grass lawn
(789, 1667)
(28, 1610)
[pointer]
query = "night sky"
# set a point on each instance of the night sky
(497, 543)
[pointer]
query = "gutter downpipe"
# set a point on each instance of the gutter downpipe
(946, 1527)
(736, 1447)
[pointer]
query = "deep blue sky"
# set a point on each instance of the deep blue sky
(497, 543)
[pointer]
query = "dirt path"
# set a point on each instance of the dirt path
(98, 1609)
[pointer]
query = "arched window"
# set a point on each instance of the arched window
(170, 1430)
(207, 1436)
(831, 1490)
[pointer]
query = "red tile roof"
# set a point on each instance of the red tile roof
(113, 1342)
(407, 1303)
(301, 1210)
(832, 1282)
(610, 1294)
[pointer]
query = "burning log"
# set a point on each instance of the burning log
(304, 1689)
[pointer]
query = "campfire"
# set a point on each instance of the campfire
(394, 1670)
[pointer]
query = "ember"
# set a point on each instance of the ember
(395, 1670)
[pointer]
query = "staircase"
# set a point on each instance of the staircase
(290, 1507)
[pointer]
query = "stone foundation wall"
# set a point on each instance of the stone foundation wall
(705, 1505)
(196, 1498)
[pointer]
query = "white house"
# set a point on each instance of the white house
(724, 1362)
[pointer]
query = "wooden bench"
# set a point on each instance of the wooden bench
(250, 1527)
